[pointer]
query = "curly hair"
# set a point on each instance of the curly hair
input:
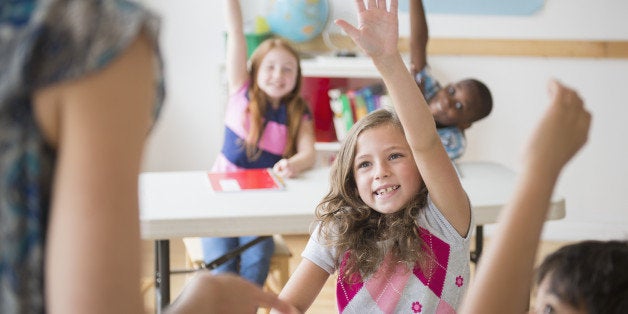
(352, 227)
(259, 101)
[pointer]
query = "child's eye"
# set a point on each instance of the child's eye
(451, 91)
(395, 156)
(548, 309)
(363, 164)
(458, 105)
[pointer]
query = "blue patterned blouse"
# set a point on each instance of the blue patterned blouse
(43, 42)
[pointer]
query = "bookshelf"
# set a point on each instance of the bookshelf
(339, 67)
(325, 72)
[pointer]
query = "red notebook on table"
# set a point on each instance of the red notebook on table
(245, 180)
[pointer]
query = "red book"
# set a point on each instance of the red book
(243, 180)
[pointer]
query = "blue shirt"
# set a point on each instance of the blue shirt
(452, 137)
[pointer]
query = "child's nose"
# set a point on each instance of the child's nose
(449, 102)
(381, 171)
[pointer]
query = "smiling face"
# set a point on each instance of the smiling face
(385, 173)
(457, 104)
(277, 73)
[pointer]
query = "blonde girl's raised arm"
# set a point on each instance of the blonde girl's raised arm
(304, 285)
(99, 125)
(502, 284)
(235, 66)
(377, 35)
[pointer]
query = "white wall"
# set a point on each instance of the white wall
(188, 135)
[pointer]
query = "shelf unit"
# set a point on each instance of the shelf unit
(348, 72)
(357, 71)
(339, 67)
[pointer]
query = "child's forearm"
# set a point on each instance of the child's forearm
(235, 63)
(409, 102)
(302, 161)
(419, 35)
(507, 264)
(233, 13)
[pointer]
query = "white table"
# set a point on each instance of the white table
(182, 204)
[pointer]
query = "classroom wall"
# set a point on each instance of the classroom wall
(188, 135)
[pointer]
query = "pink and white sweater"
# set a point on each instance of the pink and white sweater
(437, 289)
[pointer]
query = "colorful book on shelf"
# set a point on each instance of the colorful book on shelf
(349, 106)
(371, 95)
(343, 114)
(245, 180)
(360, 105)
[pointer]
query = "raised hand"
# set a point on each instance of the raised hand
(377, 31)
(562, 131)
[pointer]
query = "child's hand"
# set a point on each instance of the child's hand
(562, 131)
(284, 169)
(208, 293)
(377, 31)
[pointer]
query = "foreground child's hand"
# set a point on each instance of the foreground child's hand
(563, 130)
(377, 31)
(208, 293)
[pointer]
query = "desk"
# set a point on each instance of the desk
(182, 204)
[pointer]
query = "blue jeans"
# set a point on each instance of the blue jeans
(252, 264)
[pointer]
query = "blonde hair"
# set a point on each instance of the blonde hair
(258, 101)
(353, 228)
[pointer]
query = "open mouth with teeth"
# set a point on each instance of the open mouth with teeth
(389, 189)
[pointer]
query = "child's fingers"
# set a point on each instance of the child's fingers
(552, 88)
(348, 28)
(360, 5)
(562, 94)
(271, 300)
(393, 5)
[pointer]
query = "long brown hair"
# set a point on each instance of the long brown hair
(295, 105)
(350, 226)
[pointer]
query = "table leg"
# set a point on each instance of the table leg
(479, 239)
(162, 275)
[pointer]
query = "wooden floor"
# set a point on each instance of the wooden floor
(325, 303)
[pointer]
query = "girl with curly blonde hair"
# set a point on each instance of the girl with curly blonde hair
(395, 223)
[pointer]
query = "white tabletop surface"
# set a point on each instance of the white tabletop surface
(183, 204)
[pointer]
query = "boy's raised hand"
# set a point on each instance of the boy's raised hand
(562, 131)
(377, 31)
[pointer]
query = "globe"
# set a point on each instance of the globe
(297, 20)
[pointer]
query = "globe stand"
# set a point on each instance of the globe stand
(335, 38)
(340, 44)
(343, 54)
